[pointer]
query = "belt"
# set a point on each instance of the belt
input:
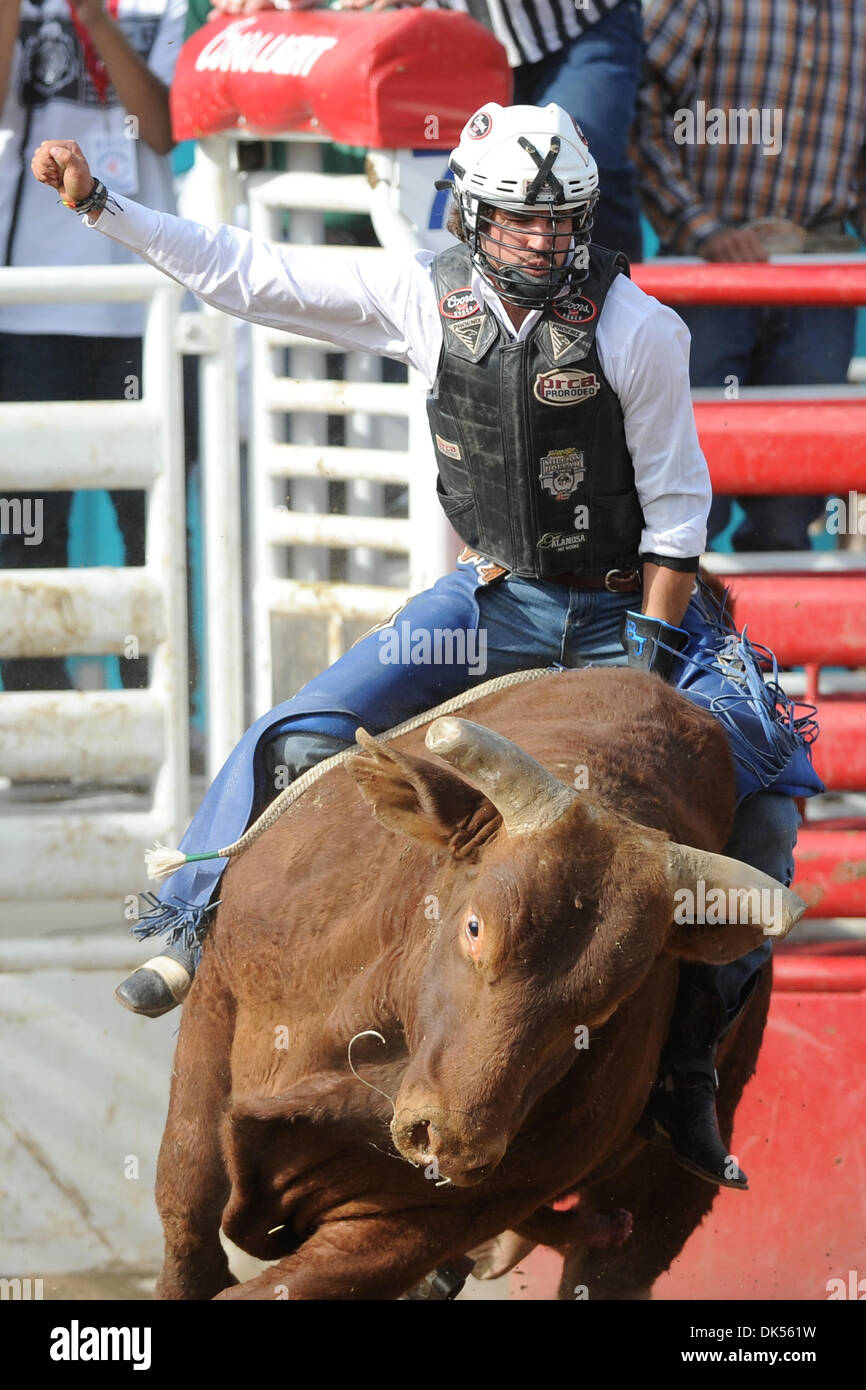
(615, 581)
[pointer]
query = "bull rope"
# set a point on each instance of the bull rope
(163, 862)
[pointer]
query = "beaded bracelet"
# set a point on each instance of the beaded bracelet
(97, 199)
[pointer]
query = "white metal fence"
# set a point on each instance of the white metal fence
(321, 563)
(64, 612)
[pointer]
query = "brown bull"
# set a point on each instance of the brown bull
(482, 917)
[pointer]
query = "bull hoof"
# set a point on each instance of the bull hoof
(155, 988)
(497, 1256)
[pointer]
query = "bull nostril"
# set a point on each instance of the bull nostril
(419, 1137)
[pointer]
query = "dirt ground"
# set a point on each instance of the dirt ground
(121, 1286)
(126, 1286)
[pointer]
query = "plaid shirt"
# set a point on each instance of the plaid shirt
(800, 67)
(530, 29)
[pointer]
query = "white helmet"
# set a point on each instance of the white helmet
(526, 160)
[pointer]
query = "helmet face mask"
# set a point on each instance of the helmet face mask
(526, 187)
(530, 259)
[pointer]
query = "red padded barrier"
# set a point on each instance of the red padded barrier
(831, 868)
(804, 618)
(732, 283)
(408, 79)
(808, 446)
(839, 754)
(800, 1134)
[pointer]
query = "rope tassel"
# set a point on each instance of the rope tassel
(162, 862)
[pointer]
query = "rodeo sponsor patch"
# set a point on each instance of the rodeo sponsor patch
(577, 310)
(561, 472)
(565, 387)
(562, 540)
(480, 125)
(451, 451)
(563, 339)
(468, 331)
(459, 304)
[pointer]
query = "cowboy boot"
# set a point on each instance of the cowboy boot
(681, 1113)
(159, 985)
(164, 981)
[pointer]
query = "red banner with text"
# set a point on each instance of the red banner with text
(403, 79)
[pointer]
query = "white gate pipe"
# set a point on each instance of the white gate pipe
(78, 734)
(79, 444)
(77, 855)
(79, 612)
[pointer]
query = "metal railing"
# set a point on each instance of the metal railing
(63, 612)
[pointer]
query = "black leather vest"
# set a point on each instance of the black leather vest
(534, 470)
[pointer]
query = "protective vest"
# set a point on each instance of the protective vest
(534, 469)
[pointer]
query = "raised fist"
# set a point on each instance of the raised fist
(61, 164)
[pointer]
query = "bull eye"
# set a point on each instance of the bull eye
(473, 928)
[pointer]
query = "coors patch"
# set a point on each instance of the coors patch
(577, 310)
(565, 387)
(459, 304)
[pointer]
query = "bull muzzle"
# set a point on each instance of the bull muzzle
(446, 1144)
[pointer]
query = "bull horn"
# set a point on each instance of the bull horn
(525, 794)
(778, 909)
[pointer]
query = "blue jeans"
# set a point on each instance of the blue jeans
(516, 623)
(768, 347)
(595, 77)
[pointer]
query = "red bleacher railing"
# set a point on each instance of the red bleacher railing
(810, 281)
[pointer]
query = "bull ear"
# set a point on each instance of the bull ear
(421, 799)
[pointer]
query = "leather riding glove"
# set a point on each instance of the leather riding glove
(652, 645)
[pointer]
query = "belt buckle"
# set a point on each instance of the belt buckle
(620, 575)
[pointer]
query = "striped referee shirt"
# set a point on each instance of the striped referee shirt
(751, 108)
(530, 29)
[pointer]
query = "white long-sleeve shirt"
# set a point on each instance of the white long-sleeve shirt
(387, 304)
